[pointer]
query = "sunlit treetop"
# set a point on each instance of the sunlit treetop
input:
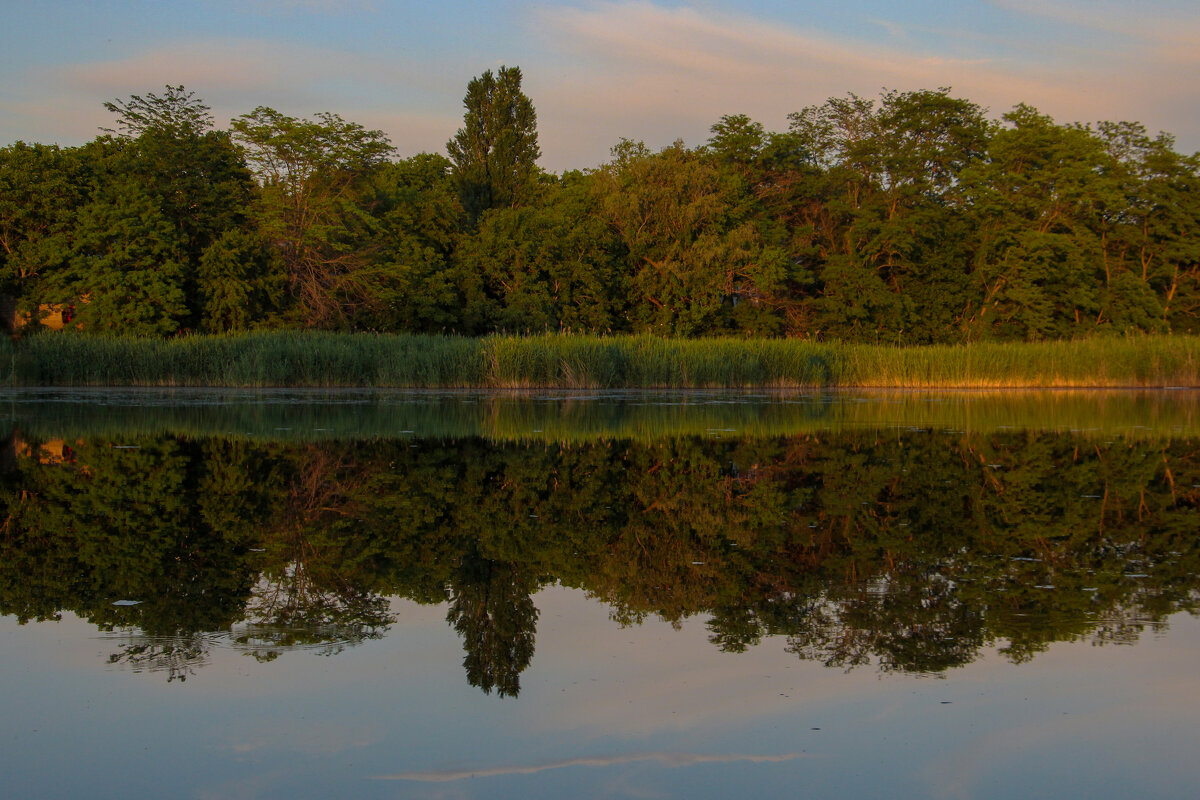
(176, 112)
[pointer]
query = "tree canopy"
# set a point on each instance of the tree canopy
(495, 153)
(913, 217)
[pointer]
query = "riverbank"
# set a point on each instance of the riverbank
(328, 360)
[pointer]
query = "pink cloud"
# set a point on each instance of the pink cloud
(657, 73)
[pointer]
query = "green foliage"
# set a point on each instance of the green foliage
(552, 266)
(912, 551)
(495, 153)
(1039, 201)
(414, 223)
(878, 228)
(126, 272)
(196, 176)
(177, 114)
(906, 219)
(310, 175)
(240, 282)
(42, 189)
(692, 256)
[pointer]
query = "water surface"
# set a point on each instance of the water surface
(268, 594)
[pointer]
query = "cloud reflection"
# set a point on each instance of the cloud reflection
(666, 759)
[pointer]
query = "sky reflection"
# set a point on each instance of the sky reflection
(635, 711)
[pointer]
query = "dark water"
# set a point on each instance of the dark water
(303, 594)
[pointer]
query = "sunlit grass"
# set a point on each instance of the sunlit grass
(315, 359)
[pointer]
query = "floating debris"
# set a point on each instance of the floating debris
(127, 602)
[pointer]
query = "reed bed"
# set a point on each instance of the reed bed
(332, 360)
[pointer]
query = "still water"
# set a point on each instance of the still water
(306, 594)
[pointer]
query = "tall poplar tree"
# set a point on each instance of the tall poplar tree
(496, 150)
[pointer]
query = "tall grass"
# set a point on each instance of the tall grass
(313, 359)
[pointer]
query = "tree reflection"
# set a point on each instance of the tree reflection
(903, 552)
(290, 612)
(492, 610)
(176, 656)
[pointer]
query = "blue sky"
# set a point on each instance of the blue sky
(597, 70)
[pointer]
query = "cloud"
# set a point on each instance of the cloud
(666, 759)
(315, 738)
(400, 96)
(270, 71)
(642, 70)
(663, 73)
(610, 69)
(1171, 22)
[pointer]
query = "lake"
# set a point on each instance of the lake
(280, 593)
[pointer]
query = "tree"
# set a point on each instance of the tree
(42, 189)
(737, 140)
(877, 221)
(1039, 202)
(1151, 255)
(694, 258)
(195, 174)
(415, 219)
(551, 265)
(310, 173)
(176, 113)
(496, 150)
(126, 271)
(239, 281)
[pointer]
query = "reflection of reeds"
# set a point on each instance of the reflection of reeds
(318, 359)
(41, 415)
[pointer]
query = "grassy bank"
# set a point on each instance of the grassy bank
(307, 359)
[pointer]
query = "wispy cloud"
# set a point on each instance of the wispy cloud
(1167, 22)
(666, 759)
(601, 70)
(233, 75)
(662, 73)
(644, 70)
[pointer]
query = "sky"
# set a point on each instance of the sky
(596, 70)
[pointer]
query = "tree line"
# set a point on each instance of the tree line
(910, 218)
